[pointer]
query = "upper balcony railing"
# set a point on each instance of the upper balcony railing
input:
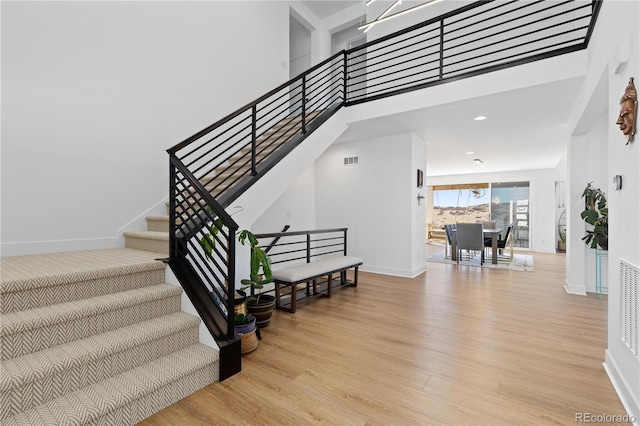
(482, 37)
(216, 165)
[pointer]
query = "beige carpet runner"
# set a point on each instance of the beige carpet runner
(94, 337)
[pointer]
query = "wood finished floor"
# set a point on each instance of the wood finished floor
(458, 345)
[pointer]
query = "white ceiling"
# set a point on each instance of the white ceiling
(323, 9)
(524, 130)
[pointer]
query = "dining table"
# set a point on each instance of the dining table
(492, 233)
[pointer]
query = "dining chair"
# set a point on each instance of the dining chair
(448, 230)
(488, 224)
(469, 237)
(503, 243)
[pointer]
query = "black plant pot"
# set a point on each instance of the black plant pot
(262, 309)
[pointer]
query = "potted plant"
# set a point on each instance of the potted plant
(596, 213)
(246, 327)
(259, 305)
(562, 244)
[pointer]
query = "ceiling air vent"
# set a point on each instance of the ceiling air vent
(351, 161)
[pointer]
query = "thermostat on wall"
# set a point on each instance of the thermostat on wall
(617, 183)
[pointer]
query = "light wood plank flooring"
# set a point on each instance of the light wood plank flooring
(458, 345)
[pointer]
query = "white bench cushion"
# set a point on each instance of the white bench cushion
(307, 271)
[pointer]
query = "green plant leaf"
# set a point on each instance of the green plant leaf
(589, 216)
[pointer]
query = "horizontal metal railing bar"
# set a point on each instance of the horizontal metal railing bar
(515, 46)
(286, 242)
(283, 253)
(418, 26)
(325, 246)
(444, 80)
(521, 26)
(320, 85)
(328, 252)
(204, 143)
(211, 202)
(321, 74)
(389, 48)
(471, 30)
(276, 262)
(530, 33)
(337, 237)
(370, 92)
(373, 64)
(378, 77)
(302, 243)
(283, 99)
(514, 55)
(239, 111)
(484, 20)
(313, 231)
(247, 128)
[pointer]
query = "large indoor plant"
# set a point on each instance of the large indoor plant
(596, 213)
(259, 305)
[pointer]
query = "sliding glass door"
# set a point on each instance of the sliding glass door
(510, 205)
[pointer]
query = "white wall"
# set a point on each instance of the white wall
(418, 207)
(542, 200)
(93, 93)
(588, 164)
(295, 207)
(617, 24)
(376, 200)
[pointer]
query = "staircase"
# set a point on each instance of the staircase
(217, 183)
(95, 337)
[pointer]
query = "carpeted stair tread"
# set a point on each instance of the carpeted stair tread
(93, 404)
(40, 270)
(35, 378)
(163, 217)
(149, 235)
(156, 241)
(37, 329)
(158, 223)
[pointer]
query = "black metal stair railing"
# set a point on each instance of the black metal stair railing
(216, 165)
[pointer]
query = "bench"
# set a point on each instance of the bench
(310, 273)
(309, 264)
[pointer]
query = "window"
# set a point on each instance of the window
(505, 202)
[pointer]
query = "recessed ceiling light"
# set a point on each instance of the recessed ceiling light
(469, 152)
(480, 118)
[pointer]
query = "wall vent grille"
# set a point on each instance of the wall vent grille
(630, 306)
(351, 161)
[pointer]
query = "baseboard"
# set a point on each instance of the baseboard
(419, 270)
(390, 271)
(631, 405)
(56, 246)
(579, 290)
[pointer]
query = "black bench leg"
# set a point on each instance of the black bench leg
(294, 297)
(329, 285)
(279, 305)
(355, 277)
